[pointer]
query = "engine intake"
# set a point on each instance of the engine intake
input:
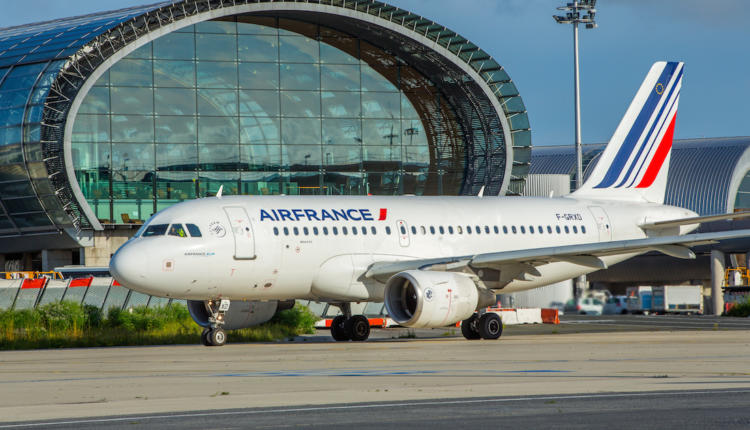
(416, 298)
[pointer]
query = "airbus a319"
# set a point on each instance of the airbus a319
(434, 261)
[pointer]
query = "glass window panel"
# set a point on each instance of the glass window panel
(216, 47)
(248, 24)
(214, 74)
(218, 157)
(132, 128)
(91, 128)
(340, 77)
(96, 101)
(342, 131)
(129, 159)
(382, 153)
(217, 102)
(307, 183)
(407, 109)
(258, 48)
(176, 156)
(383, 184)
(12, 172)
(176, 129)
(295, 28)
(259, 75)
(414, 183)
(298, 49)
(381, 132)
(22, 76)
(416, 157)
(260, 130)
(142, 52)
(374, 81)
(174, 101)
(381, 105)
(218, 130)
(175, 186)
(13, 98)
(129, 72)
(261, 157)
(11, 154)
(22, 205)
(342, 158)
(31, 220)
(90, 155)
(132, 100)
(298, 131)
(11, 116)
(210, 182)
(103, 80)
(300, 103)
(341, 104)
(342, 183)
(300, 76)
(338, 50)
(16, 189)
(10, 135)
(301, 157)
(34, 113)
(175, 46)
(260, 183)
(217, 26)
(179, 74)
(413, 133)
(259, 103)
(135, 209)
(95, 185)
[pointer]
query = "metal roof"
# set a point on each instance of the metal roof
(704, 174)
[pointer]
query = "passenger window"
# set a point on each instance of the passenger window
(541, 229)
(373, 230)
(575, 229)
(276, 231)
(306, 231)
(344, 230)
(513, 229)
(583, 229)
(549, 229)
(335, 231)
(315, 231)
(505, 230)
(364, 230)
(497, 231)
(468, 229)
(450, 229)
(459, 229)
(296, 231)
(432, 229)
(477, 229)
(325, 231)
(487, 229)
(156, 230)
(442, 229)
(387, 230)
(413, 230)
(557, 229)
(423, 230)
(567, 230)
(286, 231)
(177, 230)
(194, 230)
(531, 229)
(523, 230)
(402, 229)
(354, 231)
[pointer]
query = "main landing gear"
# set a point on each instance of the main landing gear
(215, 335)
(487, 326)
(348, 326)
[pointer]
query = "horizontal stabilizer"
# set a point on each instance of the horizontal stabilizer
(693, 220)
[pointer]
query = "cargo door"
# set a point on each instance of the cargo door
(602, 223)
(242, 230)
(403, 233)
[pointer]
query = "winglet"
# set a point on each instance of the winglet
(218, 193)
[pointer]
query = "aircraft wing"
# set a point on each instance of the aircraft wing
(693, 220)
(517, 263)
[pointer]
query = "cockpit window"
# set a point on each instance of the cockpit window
(194, 230)
(155, 230)
(177, 230)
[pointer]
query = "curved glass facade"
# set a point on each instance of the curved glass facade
(260, 105)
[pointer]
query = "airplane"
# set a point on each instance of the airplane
(433, 260)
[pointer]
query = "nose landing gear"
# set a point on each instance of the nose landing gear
(347, 327)
(215, 335)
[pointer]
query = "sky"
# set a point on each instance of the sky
(712, 38)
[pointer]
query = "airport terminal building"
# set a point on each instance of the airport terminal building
(111, 117)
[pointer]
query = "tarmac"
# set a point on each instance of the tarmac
(579, 356)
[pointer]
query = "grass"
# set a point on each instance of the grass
(740, 309)
(68, 324)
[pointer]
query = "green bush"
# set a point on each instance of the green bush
(740, 309)
(299, 317)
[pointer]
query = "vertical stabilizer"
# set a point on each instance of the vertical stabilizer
(635, 163)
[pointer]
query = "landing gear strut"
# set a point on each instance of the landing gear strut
(486, 326)
(215, 335)
(348, 327)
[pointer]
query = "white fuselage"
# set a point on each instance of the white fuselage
(300, 247)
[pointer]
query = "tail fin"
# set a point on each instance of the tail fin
(635, 162)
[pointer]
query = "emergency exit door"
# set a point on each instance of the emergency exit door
(242, 230)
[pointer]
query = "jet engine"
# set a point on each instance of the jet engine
(416, 298)
(240, 314)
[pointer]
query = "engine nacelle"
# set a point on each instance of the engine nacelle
(416, 298)
(240, 314)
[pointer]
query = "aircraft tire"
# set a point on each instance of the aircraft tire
(469, 328)
(357, 328)
(217, 337)
(338, 329)
(204, 337)
(490, 326)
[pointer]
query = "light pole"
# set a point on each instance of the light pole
(573, 15)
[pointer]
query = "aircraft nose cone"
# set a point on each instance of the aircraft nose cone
(127, 266)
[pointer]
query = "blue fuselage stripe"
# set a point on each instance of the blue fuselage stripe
(627, 147)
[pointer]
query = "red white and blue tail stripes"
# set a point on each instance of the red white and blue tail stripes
(634, 165)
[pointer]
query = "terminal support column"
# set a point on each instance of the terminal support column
(717, 280)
